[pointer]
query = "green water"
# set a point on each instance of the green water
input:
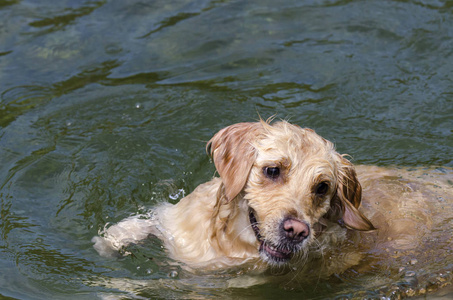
(106, 106)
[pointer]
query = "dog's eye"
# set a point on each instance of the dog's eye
(322, 188)
(272, 172)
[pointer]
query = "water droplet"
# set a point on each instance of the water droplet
(410, 292)
(173, 274)
(177, 194)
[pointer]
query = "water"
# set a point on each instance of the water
(105, 108)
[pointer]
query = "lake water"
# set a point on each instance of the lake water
(106, 106)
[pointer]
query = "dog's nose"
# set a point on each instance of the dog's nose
(295, 230)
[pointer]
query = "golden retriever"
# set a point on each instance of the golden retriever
(281, 187)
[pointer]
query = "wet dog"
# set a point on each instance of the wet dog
(281, 187)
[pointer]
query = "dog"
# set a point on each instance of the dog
(281, 188)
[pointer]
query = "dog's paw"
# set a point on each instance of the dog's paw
(105, 247)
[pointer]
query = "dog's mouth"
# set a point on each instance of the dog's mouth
(270, 252)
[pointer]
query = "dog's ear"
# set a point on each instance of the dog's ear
(233, 155)
(348, 197)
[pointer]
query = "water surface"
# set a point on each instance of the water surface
(105, 108)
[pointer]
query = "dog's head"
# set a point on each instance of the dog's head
(291, 179)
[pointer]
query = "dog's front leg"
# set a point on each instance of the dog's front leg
(131, 230)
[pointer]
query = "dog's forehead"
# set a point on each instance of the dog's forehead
(291, 142)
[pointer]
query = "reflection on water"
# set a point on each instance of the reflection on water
(20, 99)
(106, 106)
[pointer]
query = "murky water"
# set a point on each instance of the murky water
(105, 108)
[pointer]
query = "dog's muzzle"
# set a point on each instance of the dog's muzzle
(292, 232)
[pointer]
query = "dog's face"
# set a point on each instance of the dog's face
(291, 179)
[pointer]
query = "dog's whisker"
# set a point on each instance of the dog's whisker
(302, 258)
(323, 261)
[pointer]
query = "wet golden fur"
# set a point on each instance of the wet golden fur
(211, 227)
